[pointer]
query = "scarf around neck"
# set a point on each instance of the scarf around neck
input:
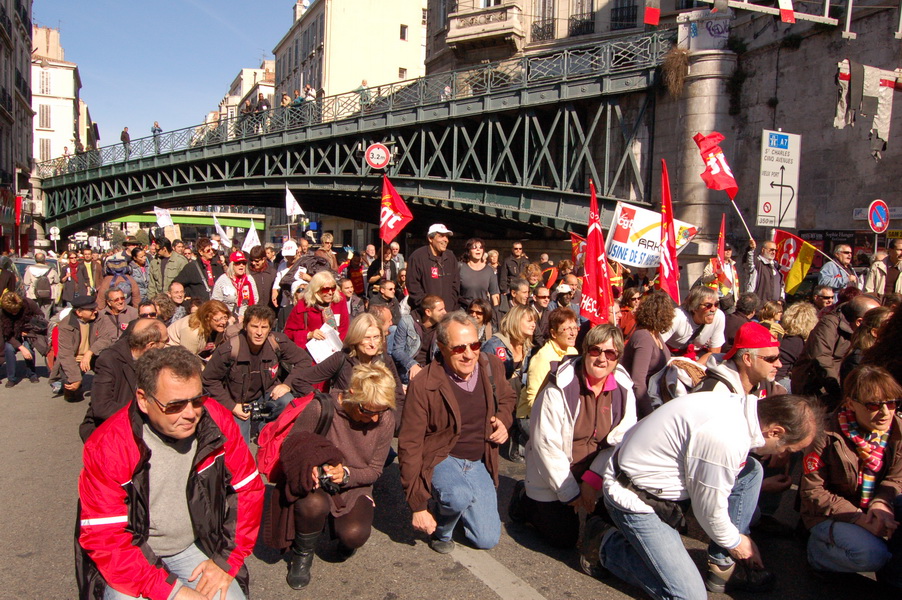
(245, 291)
(870, 454)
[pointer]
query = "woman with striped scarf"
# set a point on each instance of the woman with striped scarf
(851, 490)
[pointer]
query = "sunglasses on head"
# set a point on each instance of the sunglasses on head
(177, 406)
(609, 353)
(876, 406)
(474, 346)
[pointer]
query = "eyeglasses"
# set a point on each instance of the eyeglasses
(152, 315)
(370, 413)
(769, 359)
(707, 305)
(474, 346)
(609, 353)
(876, 406)
(177, 406)
(326, 290)
(571, 329)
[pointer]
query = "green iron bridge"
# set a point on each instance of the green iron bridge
(516, 140)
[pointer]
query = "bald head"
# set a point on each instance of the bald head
(856, 307)
(146, 334)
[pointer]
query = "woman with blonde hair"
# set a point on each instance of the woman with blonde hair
(203, 330)
(770, 316)
(797, 322)
(363, 345)
(512, 343)
(347, 458)
(321, 305)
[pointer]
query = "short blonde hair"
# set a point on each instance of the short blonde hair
(510, 324)
(799, 319)
(357, 331)
(319, 281)
(373, 384)
(327, 238)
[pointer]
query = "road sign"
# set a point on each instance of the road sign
(54, 237)
(54, 231)
(778, 179)
(81, 236)
(378, 156)
(878, 216)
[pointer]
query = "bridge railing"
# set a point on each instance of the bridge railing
(621, 55)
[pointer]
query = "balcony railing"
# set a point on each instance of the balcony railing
(542, 30)
(22, 85)
(474, 26)
(623, 55)
(624, 17)
(581, 24)
(5, 21)
(6, 100)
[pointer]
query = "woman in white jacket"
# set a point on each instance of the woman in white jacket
(577, 419)
(235, 288)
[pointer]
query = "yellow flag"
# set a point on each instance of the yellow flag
(800, 268)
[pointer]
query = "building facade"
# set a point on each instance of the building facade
(55, 99)
(245, 86)
(15, 114)
(334, 45)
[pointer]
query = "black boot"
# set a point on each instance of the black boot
(300, 559)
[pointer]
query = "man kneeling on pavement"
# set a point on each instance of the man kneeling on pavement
(457, 412)
(169, 497)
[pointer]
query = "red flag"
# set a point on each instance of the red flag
(717, 175)
(718, 262)
(668, 271)
(577, 248)
(18, 210)
(596, 302)
(652, 12)
(394, 215)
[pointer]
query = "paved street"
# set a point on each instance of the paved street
(42, 457)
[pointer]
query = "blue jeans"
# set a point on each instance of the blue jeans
(649, 554)
(464, 491)
(275, 406)
(10, 353)
(182, 565)
(847, 548)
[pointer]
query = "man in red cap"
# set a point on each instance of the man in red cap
(750, 367)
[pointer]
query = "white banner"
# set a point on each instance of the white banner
(635, 236)
(251, 239)
(163, 217)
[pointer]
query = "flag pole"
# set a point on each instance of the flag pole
(741, 218)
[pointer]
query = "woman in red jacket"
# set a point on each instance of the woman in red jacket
(321, 305)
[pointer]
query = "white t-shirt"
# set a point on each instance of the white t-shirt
(692, 447)
(680, 333)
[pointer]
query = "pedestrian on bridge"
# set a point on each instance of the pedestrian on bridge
(126, 140)
(156, 130)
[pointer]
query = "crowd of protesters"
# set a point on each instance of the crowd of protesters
(723, 403)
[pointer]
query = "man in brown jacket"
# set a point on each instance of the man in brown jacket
(74, 334)
(816, 372)
(455, 416)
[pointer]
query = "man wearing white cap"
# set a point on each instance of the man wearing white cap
(433, 269)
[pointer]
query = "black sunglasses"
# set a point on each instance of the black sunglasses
(150, 315)
(177, 406)
(368, 412)
(609, 353)
(770, 359)
(475, 347)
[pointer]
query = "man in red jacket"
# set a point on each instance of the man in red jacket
(177, 456)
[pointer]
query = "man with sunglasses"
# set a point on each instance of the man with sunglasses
(838, 274)
(514, 266)
(823, 296)
(541, 303)
(763, 275)
(456, 414)
(577, 419)
(169, 497)
(698, 326)
(200, 275)
(750, 367)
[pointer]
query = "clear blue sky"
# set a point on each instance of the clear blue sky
(170, 61)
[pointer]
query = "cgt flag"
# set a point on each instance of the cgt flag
(794, 257)
(717, 175)
(596, 301)
(577, 250)
(394, 215)
(668, 271)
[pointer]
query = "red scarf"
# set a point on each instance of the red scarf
(73, 271)
(245, 291)
(208, 266)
